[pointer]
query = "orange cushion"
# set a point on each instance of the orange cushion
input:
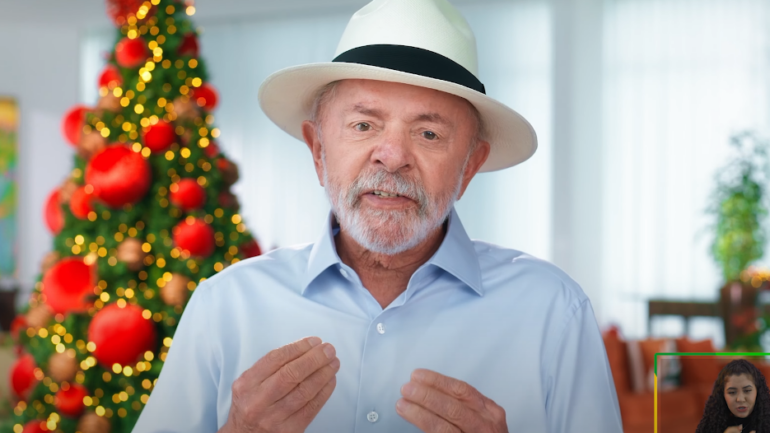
(698, 369)
(618, 359)
(764, 368)
(668, 367)
(649, 348)
(638, 409)
(702, 393)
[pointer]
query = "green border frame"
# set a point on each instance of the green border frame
(655, 371)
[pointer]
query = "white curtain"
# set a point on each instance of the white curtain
(680, 76)
(281, 200)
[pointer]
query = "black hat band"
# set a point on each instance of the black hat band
(412, 60)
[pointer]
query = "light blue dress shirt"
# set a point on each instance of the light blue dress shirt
(516, 328)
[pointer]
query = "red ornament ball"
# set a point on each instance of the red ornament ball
(80, 203)
(69, 400)
(119, 175)
(19, 322)
(205, 96)
(54, 216)
(189, 46)
(250, 249)
(159, 137)
(110, 77)
(130, 53)
(120, 10)
(211, 150)
(72, 124)
(121, 335)
(194, 236)
(22, 377)
(67, 284)
(35, 426)
(187, 194)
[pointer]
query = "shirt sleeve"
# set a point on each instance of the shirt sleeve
(185, 396)
(581, 392)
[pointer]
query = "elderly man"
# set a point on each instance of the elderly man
(394, 321)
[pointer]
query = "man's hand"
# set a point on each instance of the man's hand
(439, 404)
(284, 390)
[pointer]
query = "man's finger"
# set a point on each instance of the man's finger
(451, 386)
(275, 359)
(451, 409)
(308, 412)
(423, 419)
(295, 372)
(305, 392)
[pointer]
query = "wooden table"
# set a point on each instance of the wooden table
(685, 309)
(727, 305)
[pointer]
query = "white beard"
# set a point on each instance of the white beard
(388, 232)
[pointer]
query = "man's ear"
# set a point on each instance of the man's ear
(477, 159)
(313, 141)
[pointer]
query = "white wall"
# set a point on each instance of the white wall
(39, 66)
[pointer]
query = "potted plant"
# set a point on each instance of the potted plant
(739, 203)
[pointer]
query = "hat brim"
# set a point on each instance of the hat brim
(287, 96)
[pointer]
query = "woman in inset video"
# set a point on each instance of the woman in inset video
(739, 402)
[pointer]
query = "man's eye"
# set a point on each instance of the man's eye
(430, 135)
(363, 126)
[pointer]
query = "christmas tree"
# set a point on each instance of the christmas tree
(144, 217)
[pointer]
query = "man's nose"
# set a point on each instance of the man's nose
(393, 151)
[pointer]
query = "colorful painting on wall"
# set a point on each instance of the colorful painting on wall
(9, 125)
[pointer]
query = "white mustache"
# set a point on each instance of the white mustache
(385, 181)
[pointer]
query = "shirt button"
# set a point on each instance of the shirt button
(380, 328)
(372, 416)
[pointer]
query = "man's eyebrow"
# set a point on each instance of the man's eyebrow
(432, 117)
(424, 117)
(361, 108)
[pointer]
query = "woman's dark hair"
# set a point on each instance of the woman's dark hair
(716, 415)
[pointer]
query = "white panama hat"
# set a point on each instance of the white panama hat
(424, 43)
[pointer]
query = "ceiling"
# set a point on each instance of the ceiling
(90, 13)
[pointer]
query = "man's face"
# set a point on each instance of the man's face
(740, 395)
(393, 159)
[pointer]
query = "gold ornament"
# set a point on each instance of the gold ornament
(66, 190)
(229, 171)
(49, 260)
(39, 316)
(91, 144)
(109, 102)
(185, 108)
(62, 367)
(186, 137)
(93, 423)
(130, 252)
(175, 292)
(229, 200)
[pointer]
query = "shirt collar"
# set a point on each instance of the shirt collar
(456, 255)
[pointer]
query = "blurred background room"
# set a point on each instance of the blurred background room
(649, 186)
